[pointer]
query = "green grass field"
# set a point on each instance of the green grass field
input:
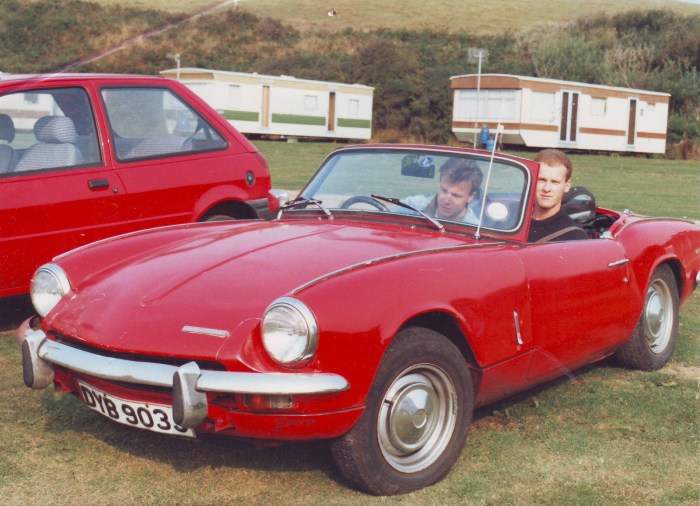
(605, 436)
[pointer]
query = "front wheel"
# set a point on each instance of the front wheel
(654, 337)
(417, 417)
(218, 217)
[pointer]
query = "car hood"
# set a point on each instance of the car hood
(187, 291)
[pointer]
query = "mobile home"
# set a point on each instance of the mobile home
(283, 105)
(548, 113)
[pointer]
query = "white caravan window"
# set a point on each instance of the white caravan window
(542, 107)
(234, 95)
(598, 106)
(353, 107)
(310, 102)
(496, 105)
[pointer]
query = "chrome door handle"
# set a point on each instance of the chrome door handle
(619, 263)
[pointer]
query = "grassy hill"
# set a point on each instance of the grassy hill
(482, 18)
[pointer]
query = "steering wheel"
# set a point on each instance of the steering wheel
(362, 199)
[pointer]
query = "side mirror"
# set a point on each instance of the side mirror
(276, 199)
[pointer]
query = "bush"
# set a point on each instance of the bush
(686, 149)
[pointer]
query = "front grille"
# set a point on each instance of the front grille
(135, 357)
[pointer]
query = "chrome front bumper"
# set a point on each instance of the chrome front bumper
(189, 384)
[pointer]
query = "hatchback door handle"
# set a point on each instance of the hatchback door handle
(96, 184)
(619, 263)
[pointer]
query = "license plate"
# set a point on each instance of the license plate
(155, 417)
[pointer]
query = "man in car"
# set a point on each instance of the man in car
(549, 221)
(460, 179)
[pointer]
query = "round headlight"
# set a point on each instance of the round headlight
(289, 332)
(49, 285)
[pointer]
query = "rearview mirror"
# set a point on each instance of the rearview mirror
(418, 166)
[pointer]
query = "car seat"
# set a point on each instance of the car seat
(56, 147)
(8, 157)
(579, 204)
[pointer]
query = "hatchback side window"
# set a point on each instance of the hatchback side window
(153, 122)
(47, 129)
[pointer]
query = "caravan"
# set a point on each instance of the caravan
(548, 113)
(283, 105)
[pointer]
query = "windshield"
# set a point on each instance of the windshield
(448, 186)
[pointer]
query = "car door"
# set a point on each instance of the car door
(581, 300)
(168, 155)
(56, 195)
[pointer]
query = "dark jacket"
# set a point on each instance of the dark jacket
(553, 224)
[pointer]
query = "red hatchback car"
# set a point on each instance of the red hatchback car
(85, 157)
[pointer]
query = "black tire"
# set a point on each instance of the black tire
(417, 417)
(218, 217)
(651, 345)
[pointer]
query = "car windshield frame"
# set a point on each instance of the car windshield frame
(373, 175)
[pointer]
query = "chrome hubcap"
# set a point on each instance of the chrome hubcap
(658, 316)
(417, 418)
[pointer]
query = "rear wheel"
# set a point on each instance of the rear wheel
(652, 342)
(417, 417)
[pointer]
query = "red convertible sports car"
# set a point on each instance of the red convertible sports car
(356, 315)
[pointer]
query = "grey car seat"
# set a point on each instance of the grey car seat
(8, 157)
(56, 147)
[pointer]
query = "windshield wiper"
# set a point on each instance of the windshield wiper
(302, 201)
(397, 202)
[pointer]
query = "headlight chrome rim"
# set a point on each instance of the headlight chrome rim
(48, 286)
(296, 348)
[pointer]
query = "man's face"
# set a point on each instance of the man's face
(453, 199)
(551, 186)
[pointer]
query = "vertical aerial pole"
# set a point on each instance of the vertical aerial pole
(477, 54)
(478, 92)
(176, 57)
(499, 131)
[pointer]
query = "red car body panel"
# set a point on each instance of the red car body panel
(520, 313)
(46, 212)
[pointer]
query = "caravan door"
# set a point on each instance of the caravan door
(568, 126)
(632, 123)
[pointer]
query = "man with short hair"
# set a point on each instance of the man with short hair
(460, 179)
(549, 221)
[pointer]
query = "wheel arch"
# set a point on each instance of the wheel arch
(677, 270)
(678, 273)
(448, 326)
(233, 208)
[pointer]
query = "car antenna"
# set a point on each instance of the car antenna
(499, 130)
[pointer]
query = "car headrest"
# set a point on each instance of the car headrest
(7, 128)
(579, 204)
(55, 130)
